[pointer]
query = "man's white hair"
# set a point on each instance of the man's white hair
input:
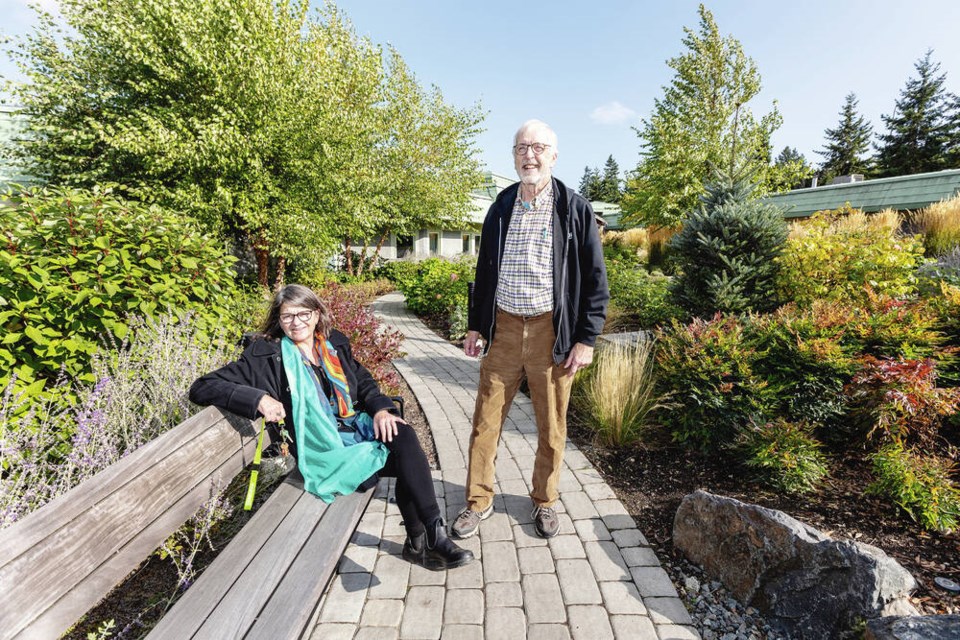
(538, 124)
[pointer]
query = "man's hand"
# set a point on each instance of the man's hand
(385, 425)
(271, 409)
(473, 344)
(580, 356)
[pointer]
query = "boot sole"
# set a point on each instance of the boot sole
(440, 566)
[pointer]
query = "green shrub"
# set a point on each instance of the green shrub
(726, 252)
(440, 286)
(886, 327)
(785, 453)
(919, 485)
(618, 393)
(75, 265)
(806, 361)
(709, 367)
(644, 297)
(49, 445)
(402, 273)
(842, 255)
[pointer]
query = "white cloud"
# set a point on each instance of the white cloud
(613, 113)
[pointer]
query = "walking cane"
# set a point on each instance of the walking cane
(255, 471)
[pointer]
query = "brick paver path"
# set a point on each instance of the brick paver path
(599, 579)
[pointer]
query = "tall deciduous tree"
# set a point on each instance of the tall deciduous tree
(918, 132)
(701, 122)
(847, 145)
(247, 114)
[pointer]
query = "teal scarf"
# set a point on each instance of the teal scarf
(328, 466)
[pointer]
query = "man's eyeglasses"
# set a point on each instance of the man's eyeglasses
(538, 148)
(302, 316)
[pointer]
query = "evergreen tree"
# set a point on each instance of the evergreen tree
(847, 145)
(610, 182)
(726, 251)
(702, 121)
(590, 183)
(917, 137)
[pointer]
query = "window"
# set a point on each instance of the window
(476, 244)
(404, 246)
(465, 239)
(434, 244)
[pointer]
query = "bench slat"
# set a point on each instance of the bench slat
(74, 604)
(120, 516)
(241, 604)
(284, 617)
(274, 565)
(190, 612)
(35, 527)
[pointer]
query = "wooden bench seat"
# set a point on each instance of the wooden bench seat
(61, 560)
(268, 581)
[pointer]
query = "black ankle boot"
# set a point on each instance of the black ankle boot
(414, 546)
(441, 552)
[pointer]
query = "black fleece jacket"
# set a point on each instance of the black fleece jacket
(238, 386)
(580, 291)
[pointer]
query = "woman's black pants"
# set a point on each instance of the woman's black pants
(414, 487)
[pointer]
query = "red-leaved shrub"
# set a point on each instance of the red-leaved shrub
(901, 399)
(374, 346)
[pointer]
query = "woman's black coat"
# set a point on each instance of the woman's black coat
(239, 386)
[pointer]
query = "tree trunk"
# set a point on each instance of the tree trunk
(281, 274)
(262, 252)
(363, 259)
(348, 255)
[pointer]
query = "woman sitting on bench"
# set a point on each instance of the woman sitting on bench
(302, 373)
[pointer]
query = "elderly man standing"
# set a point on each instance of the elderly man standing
(539, 304)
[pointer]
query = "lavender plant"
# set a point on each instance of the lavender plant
(140, 391)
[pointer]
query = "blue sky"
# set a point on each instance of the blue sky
(593, 69)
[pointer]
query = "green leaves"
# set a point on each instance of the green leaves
(63, 288)
(701, 122)
(289, 132)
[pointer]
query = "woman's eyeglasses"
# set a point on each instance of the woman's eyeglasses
(302, 316)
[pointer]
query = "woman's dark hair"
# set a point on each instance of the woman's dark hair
(300, 296)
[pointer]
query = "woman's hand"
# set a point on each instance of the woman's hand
(385, 425)
(271, 409)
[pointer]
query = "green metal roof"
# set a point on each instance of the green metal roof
(902, 193)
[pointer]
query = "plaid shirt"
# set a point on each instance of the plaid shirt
(526, 271)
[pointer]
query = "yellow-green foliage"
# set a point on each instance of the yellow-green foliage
(940, 225)
(920, 485)
(786, 454)
(841, 254)
(76, 264)
(617, 393)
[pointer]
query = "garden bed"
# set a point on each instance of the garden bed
(652, 482)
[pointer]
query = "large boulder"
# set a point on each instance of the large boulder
(914, 628)
(806, 583)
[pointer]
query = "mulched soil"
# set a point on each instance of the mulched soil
(652, 482)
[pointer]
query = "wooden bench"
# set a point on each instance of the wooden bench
(61, 560)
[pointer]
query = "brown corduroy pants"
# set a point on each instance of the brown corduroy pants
(521, 346)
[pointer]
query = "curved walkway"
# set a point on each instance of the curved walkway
(599, 579)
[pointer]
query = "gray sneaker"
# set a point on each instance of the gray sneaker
(468, 522)
(546, 521)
